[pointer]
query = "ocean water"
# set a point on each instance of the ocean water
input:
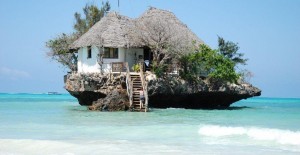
(56, 124)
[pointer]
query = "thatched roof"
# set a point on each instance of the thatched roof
(115, 30)
(154, 17)
(111, 31)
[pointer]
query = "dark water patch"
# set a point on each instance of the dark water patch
(238, 108)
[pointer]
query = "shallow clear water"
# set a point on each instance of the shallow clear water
(56, 124)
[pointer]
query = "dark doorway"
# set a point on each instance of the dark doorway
(148, 57)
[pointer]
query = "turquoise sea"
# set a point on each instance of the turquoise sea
(56, 124)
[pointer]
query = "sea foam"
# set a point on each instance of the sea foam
(280, 136)
(82, 147)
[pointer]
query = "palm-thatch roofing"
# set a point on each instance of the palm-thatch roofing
(115, 30)
(111, 31)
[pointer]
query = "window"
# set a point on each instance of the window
(89, 52)
(111, 53)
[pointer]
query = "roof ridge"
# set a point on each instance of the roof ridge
(116, 30)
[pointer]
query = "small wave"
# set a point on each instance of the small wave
(8, 93)
(82, 147)
(175, 108)
(277, 135)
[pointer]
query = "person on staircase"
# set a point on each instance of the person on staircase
(142, 98)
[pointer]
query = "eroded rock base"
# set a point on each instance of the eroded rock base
(86, 98)
(117, 100)
(107, 92)
(195, 101)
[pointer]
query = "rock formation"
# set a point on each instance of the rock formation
(107, 92)
(116, 100)
(172, 91)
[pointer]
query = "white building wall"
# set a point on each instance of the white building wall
(107, 61)
(79, 62)
(90, 65)
(121, 57)
(132, 56)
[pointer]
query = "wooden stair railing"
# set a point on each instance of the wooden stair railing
(138, 105)
(129, 85)
(135, 83)
(144, 85)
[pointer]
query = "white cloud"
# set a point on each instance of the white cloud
(13, 73)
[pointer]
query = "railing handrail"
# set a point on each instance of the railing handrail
(111, 67)
(144, 85)
(129, 84)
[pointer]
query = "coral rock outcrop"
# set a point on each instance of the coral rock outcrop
(107, 92)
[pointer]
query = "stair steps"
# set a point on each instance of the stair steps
(137, 87)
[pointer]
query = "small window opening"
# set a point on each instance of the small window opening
(89, 52)
(111, 53)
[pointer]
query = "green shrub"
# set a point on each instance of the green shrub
(136, 67)
(159, 70)
(209, 63)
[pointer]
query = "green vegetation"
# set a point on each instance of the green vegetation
(92, 14)
(136, 67)
(216, 64)
(59, 51)
(230, 51)
(159, 69)
(59, 46)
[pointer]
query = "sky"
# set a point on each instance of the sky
(267, 32)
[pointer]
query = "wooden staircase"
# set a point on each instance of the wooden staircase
(135, 83)
(137, 86)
